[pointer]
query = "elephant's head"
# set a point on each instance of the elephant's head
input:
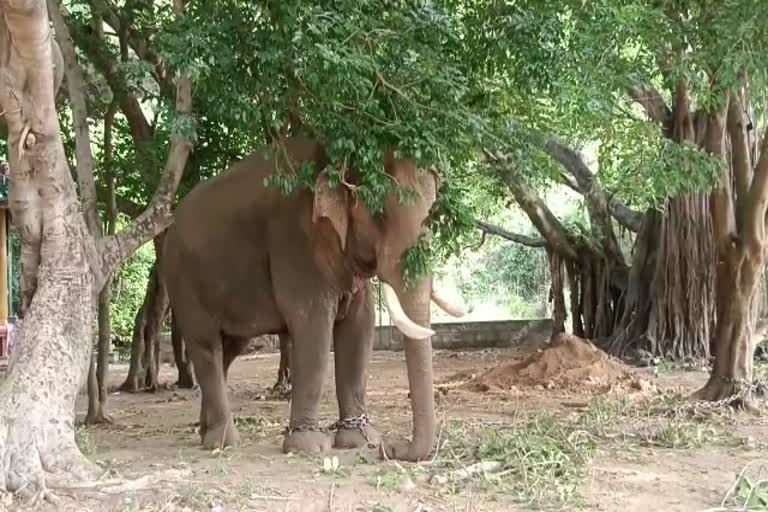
(375, 245)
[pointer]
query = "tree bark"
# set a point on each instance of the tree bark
(144, 365)
(64, 263)
(52, 346)
(559, 313)
(135, 378)
(180, 356)
(739, 230)
(97, 412)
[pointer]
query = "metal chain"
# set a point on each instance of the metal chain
(354, 423)
(290, 429)
(745, 389)
(350, 423)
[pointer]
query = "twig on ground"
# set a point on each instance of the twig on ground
(330, 496)
(272, 498)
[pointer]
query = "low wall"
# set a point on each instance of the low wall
(463, 335)
(449, 335)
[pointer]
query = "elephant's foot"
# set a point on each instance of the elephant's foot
(356, 432)
(403, 450)
(311, 440)
(220, 436)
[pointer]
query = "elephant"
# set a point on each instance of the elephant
(242, 259)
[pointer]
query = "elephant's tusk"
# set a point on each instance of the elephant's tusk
(451, 308)
(404, 324)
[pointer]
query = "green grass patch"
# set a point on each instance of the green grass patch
(541, 461)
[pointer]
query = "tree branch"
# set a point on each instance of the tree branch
(627, 217)
(758, 200)
(577, 175)
(740, 157)
(723, 220)
(528, 199)
(103, 59)
(139, 44)
(157, 217)
(76, 87)
(512, 237)
(654, 105)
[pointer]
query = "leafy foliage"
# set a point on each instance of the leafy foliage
(128, 289)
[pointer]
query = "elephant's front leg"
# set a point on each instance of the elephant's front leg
(353, 342)
(310, 353)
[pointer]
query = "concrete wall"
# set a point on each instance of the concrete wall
(449, 335)
(457, 335)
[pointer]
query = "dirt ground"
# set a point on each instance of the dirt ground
(632, 469)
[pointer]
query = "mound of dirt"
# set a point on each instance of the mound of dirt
(569, 362)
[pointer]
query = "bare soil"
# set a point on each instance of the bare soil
(153, 433)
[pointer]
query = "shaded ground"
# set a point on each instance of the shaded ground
(619, 451)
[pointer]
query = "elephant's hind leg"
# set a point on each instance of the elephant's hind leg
(353, 342)
(217, 429)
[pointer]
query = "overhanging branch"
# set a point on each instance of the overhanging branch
(507, 235)
(582, 180)
(528, 199)
(157, 217)
(654, 105)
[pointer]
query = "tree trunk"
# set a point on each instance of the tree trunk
(559, 313)
(738, 279)
(144, 366)
(283, 384)
(58, 254)
(156, 314)
(93, 390)
(683, 296)
(96, 411)
(135, 378)
(180, 356)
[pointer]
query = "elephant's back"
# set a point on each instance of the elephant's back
(219, 239)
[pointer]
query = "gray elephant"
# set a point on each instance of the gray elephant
(242, 260)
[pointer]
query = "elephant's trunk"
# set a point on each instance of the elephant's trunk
(418, 357)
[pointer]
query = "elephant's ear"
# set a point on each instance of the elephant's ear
(332, 204)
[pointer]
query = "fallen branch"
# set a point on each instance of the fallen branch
(114, 486)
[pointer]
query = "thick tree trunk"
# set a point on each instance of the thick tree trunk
(52, 344)
(683, 296)
(559, 314)
(738, 279)
(180, 356)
